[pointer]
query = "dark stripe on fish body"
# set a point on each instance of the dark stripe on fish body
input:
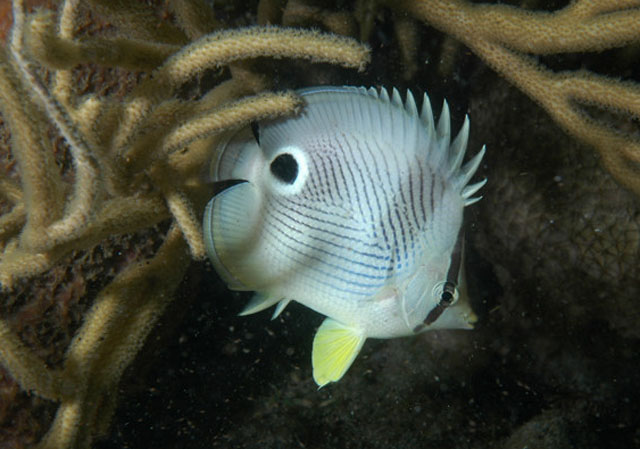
(305, 202)
(386, 214)
(288, 205)
(350, 248)
(328, 179)
(413, 201)
(402, 186)
(424, 215)
(314, 267)
(340, 188)
(313, 189)
(433, 180)
(339, 267)
(367, 200)
(368, 183)
(352, 177)
(401, 214)
(331, 282)
(340, 235)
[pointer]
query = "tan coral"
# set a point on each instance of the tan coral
(136, 162)
(505, 36)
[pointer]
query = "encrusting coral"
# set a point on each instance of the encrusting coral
(136, 162)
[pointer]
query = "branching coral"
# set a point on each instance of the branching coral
(136, 161)
(509, 39)
(505, 37)
(136, 158)
(360, 22)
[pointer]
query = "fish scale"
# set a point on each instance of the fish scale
(353, 208)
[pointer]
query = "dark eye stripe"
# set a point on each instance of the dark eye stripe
(451, 284)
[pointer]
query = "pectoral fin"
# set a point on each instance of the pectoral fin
(335, 347)
(231, 220)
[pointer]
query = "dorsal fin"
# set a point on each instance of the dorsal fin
(467, 171)
(334, 111)
(378, 114)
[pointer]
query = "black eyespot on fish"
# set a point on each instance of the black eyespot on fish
(285, 168)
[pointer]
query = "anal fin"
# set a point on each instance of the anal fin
(258, 303)
(335, 347)
(279, 308)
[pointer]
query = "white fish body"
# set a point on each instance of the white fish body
(352, 208)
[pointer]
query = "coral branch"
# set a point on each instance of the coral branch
(241, 112)
(581, 26)
(30, 372)
(136, 162)
(194, 17)
(11, 222)
(225, 47)
(40, 177)
(504, 36)
(58, 53)
(81, 205)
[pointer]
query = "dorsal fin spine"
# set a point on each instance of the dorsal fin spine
(459, 147)
(396, 99)
(426, 115)
(410, 104)
(468, 170)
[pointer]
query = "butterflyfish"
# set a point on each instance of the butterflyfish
(353, 208)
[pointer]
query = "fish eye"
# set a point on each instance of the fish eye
(445, 293)
(285, 168)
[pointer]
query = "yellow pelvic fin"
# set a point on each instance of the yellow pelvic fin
(335, 347)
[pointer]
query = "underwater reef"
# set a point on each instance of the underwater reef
(114, 332)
